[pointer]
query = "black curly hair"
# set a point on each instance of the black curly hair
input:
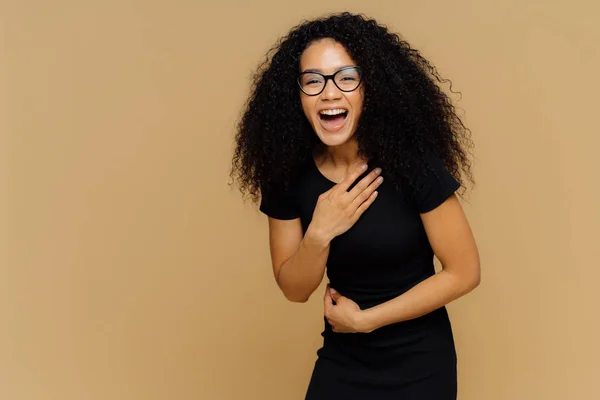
(405, 112)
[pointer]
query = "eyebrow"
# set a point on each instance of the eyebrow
(320, 71)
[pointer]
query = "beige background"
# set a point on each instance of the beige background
(130, 270)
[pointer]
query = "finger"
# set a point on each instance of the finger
(327, 299)
(364, 183)
(334, 294)
(365, 194)
(348, 179)
(366, 204)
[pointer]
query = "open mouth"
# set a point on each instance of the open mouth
(333, 120)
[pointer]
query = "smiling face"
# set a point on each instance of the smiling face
(333, 114)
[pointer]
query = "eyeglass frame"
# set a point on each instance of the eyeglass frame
(332, 77)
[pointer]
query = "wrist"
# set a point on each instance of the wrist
(366, 321)
(315, 236)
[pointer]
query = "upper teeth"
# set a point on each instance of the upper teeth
(333, 112)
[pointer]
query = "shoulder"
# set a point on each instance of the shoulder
(433, 184)
(279, 197)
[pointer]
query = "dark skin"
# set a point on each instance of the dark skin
(299, 260)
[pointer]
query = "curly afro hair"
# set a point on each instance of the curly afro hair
(405, 113)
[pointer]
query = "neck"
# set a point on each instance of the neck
(343, 155)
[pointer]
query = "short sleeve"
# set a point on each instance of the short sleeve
(279, 203)
(434, 186)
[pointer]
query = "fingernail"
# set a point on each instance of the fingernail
(332, 290)
(364, 166)
(378, 170)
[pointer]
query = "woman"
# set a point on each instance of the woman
(340, 105)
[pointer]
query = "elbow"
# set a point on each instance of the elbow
(296, 293)
(467, 281)
(299, 300)
(474, 279)
(466, 285)
(293, 294)
(296, 298)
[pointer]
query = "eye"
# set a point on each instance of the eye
(311, 79)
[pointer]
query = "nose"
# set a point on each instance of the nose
(331, 92)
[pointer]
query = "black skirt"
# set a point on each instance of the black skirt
(415, 360)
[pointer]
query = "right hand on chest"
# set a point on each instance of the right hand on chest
(338, 209)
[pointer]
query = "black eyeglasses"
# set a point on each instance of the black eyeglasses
(346, 79)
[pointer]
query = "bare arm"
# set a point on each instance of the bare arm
(299, 261)
(300, 274)
(453, 244)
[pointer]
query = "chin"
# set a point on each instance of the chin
(333, 139)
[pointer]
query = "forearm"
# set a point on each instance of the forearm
(427, 296)
(302, 273)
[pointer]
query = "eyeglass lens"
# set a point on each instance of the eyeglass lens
(346, 80)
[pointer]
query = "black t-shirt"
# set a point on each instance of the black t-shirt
(384, 254)
(387, 250)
